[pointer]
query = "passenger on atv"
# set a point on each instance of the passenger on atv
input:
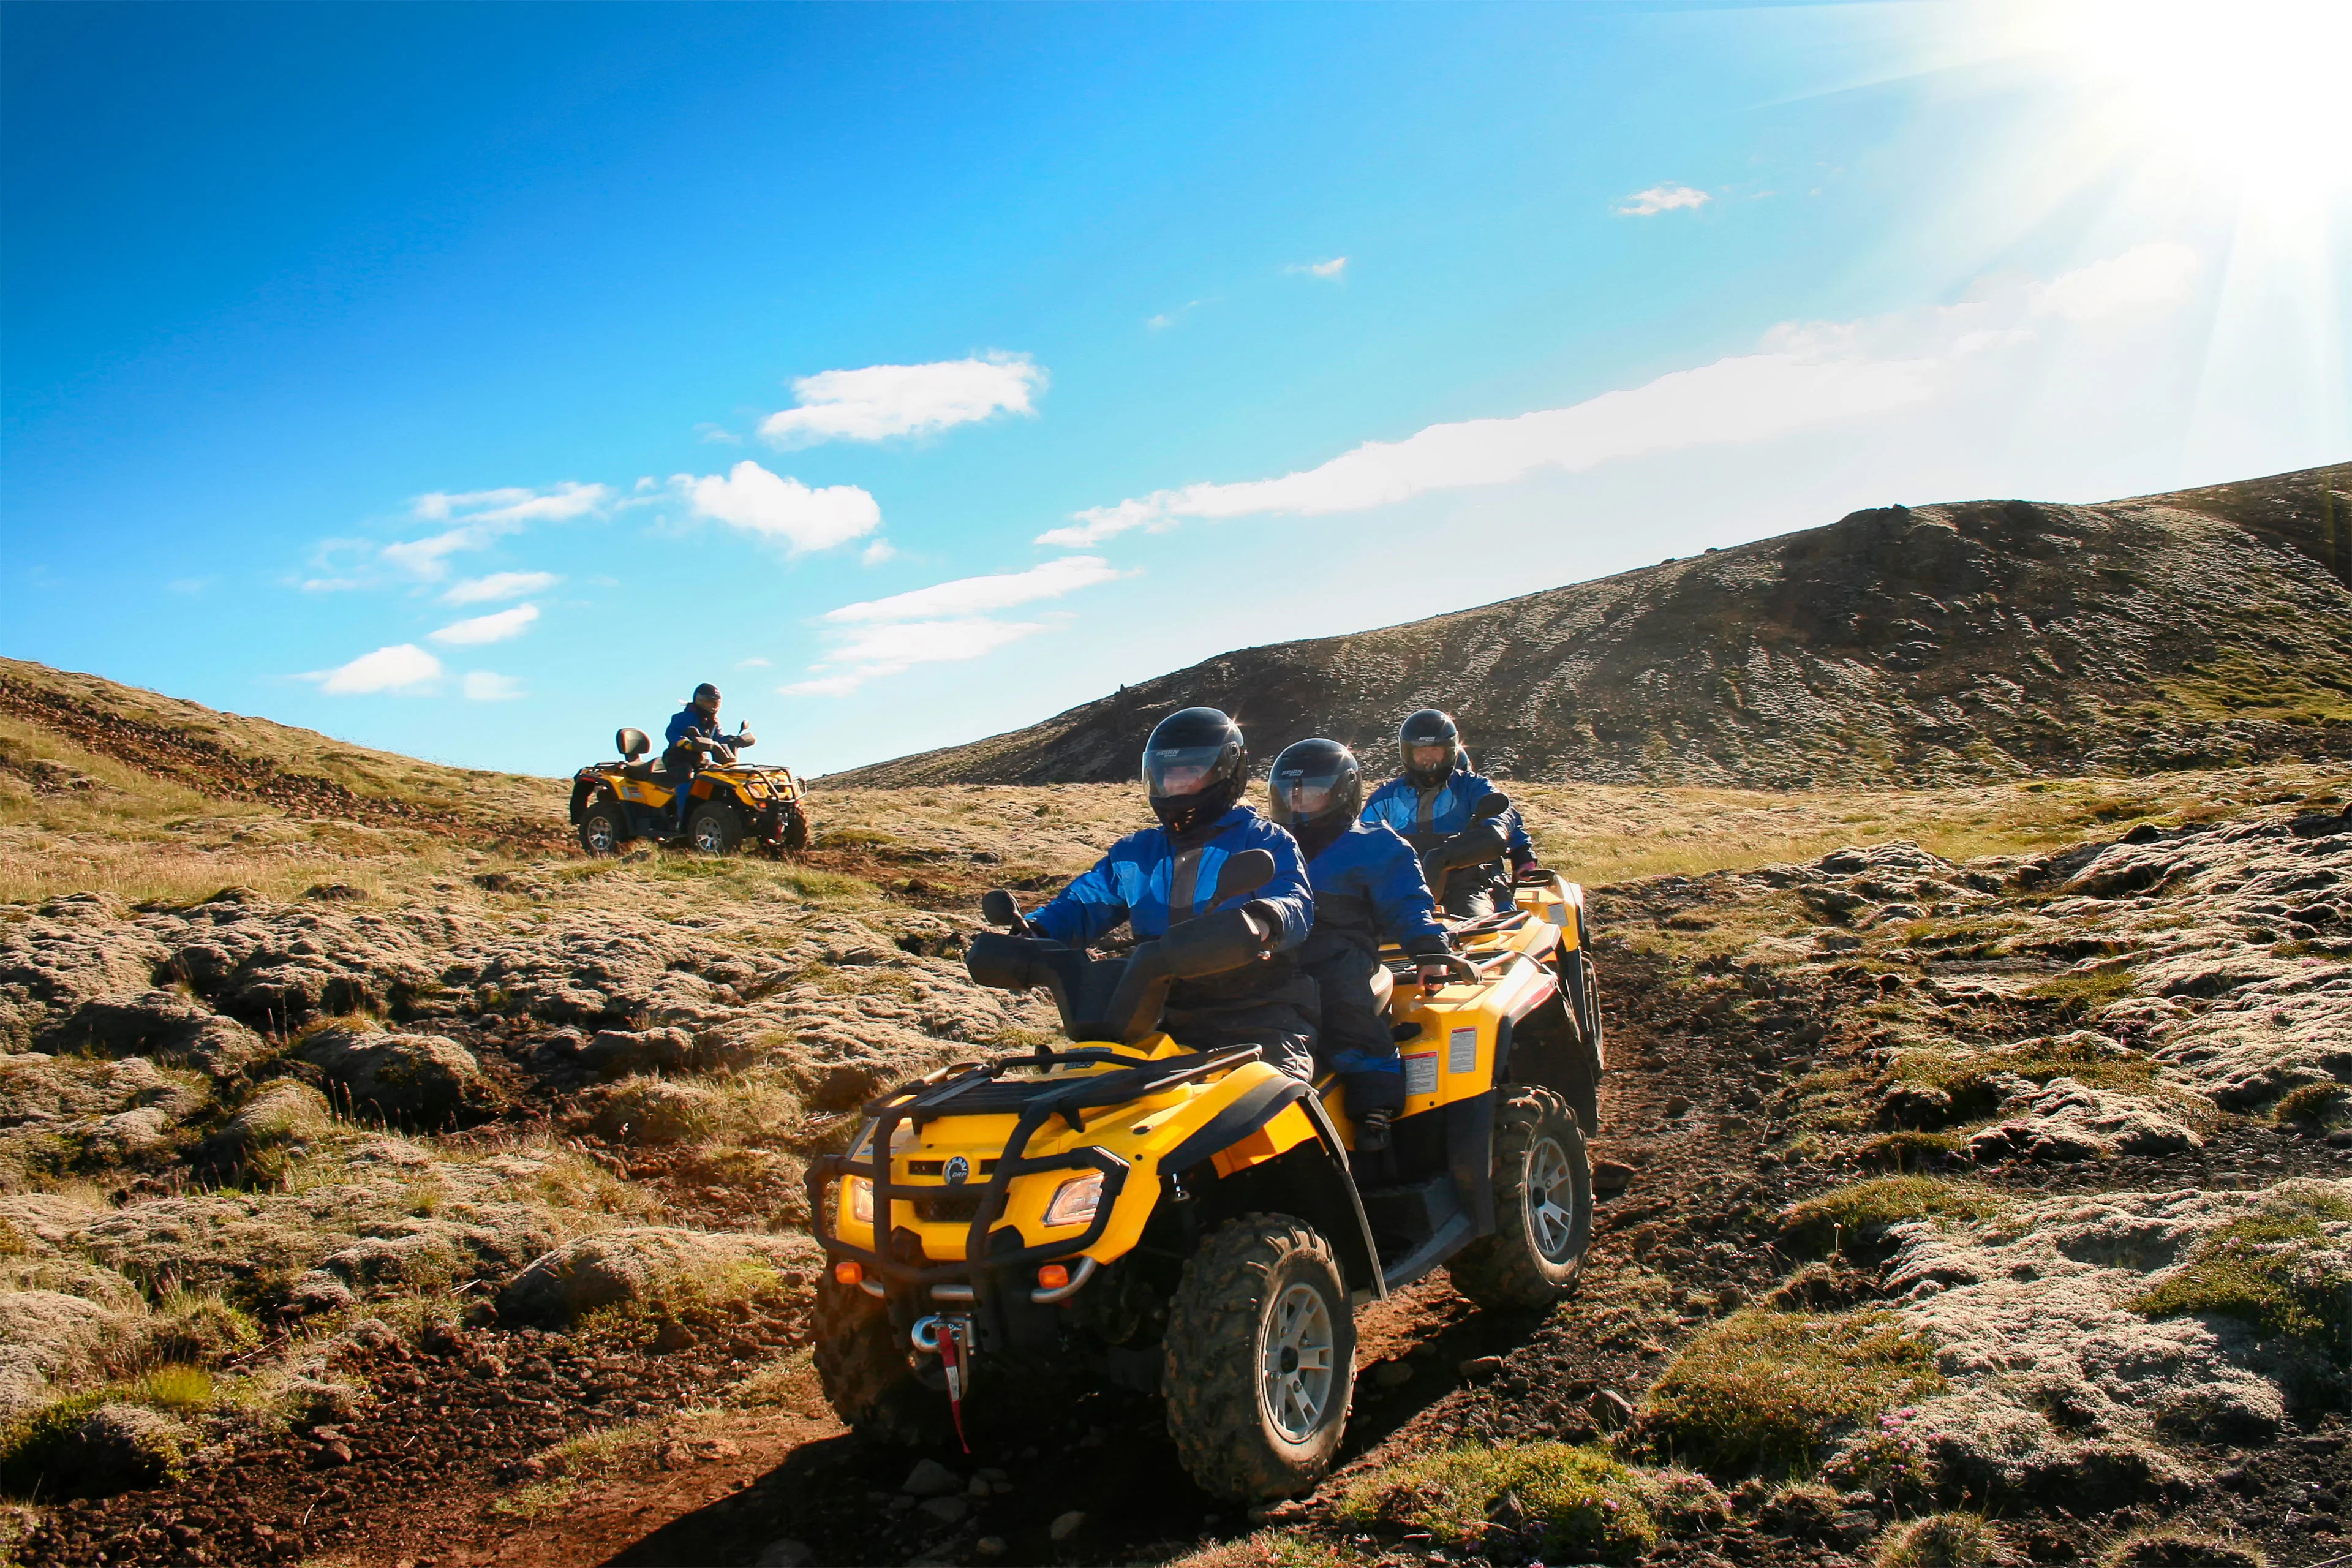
(694, 730)
(1435, 799)
(1194, 768)
(1369, 889)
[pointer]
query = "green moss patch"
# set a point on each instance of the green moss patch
(2314, 1105)
(1943, 1540)
(2266, 1269)
(1770, 1391)
(1565, 1499)
(2079, 995)
(1830, 1220)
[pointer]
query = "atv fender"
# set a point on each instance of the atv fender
(583, 790)
(1259, 1140)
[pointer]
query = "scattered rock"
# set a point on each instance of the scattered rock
(1066, 1525)
(930, 1478)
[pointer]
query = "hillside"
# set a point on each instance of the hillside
(1935, 644)
(378, 1189)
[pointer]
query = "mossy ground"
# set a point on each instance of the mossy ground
(1558, 1497)
(2267, 1269)
(1818, 1224)
(1765, 1392)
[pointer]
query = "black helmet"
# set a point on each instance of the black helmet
(1429, 728)
(705, 689)
(1315, 782)
(1194, 768)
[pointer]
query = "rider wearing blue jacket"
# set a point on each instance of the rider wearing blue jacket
(1368, 890)
(1432, 801)
(1195, 767)
(681, 756)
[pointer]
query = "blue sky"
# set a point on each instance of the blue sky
(469, 381)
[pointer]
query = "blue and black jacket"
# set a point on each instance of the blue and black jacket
(1369, 889)
(1424, 817)
(1145, 881)
(689, 721)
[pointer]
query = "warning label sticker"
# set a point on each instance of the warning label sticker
(1462, 1051)
(1421, 1073)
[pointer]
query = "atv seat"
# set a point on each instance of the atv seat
(648, 770)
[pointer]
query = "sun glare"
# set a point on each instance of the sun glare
(2247, 91)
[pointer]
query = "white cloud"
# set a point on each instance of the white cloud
(402, 667)
(494, 628)
(1330, 270)
(756, 501)
(879, 552)
(944, 623)
(1806, 375)
(894, 647)
(884, 400)
(328, 584)
(1662, 199)
(973, 596)
(498, 585)
(481, 686)
(483, 516)
(750, 664)
(2150, 276)
(718, 433)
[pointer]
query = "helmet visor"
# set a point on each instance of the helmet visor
(1430, 758)
(1181, 770)
(1305, 796)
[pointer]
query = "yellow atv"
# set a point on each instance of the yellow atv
(1192, 1223)
(614, 802)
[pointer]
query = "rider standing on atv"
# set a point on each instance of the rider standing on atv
(1194, 768)
(1431, 800)
(1368, 888)
(690, 728)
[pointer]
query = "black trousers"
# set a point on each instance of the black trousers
(1281, 1021)
(1356, 1043)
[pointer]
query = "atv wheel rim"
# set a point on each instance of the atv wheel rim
(602, 839)
(1549, 1183)
(1297, 1360)
(706, 836)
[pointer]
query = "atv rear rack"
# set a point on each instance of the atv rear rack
(974, 1088)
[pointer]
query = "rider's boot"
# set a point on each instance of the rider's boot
(1372, 1131)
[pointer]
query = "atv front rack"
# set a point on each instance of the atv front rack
(974, 1088)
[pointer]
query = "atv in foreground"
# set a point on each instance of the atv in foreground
(1193, 1223)
(615, 803)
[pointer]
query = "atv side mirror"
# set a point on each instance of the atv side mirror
(1494, 803)
(997, 908)
(631, 743)
(1244, 873)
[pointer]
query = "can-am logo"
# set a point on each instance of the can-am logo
(958, 1170)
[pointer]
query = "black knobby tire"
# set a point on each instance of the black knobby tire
(796, 832)
(715, 829)
(603, 828)
(1244, 1301)
(862, 1363)
(1543, 1208)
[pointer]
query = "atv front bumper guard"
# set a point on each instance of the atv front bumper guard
(974, 1088)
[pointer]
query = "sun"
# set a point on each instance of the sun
(2247, 92)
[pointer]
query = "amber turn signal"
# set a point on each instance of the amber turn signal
(1052, 1277)
(849, 1271)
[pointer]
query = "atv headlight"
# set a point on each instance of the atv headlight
(860, 1195)
(1075, 1200)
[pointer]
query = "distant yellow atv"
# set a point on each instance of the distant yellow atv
(1193, 1223)
(614, 802)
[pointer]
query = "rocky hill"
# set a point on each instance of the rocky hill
(1933, 644)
